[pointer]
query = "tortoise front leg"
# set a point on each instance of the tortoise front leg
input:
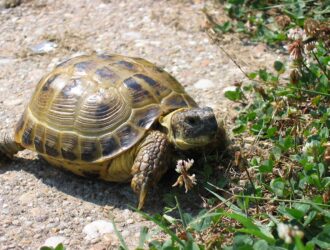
(8, 145)
(150, 164)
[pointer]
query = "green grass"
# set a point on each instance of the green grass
(268, 21)
(284, 201)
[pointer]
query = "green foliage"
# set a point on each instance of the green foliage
(294, 118)
(268, 21)
(291, 117)
(285, 204)
(58, 247)
(234, 95)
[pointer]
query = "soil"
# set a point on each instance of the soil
(37, 201)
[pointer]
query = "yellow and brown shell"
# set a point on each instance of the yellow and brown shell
(93, 108)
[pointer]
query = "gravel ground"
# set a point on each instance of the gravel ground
(37, 201)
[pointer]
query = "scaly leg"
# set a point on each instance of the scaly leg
(8, 146)
(150, 164)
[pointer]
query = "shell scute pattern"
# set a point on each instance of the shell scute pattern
(28, 132)
(67, 61)
(84, 68)
(159, 91)
(89, 150)
(52, 140)
(139, 95)
(68, 155)
(38, 138)
(49, 81)
(144, 117)
(126, 65)
(38, 144)
(128, 135)
(160, 75)
(175, 101)
(27, 136)
(105, 75)
(74, 87)
(110, 146)
(69, 146)
(92, 108)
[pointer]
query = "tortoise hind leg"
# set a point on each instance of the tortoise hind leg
(8, 145)
(150, 164)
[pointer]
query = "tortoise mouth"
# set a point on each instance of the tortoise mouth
(201, 141)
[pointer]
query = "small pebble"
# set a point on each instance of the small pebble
(125, 233)
(15, 222)
(130, 221)
(204, 84)
(132, 35)
(4, 60)
(44, 47)
(97, 228)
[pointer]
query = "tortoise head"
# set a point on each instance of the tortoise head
(192, 127)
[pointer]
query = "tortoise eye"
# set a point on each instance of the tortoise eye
(192, 120)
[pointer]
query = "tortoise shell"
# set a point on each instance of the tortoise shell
(93, 108)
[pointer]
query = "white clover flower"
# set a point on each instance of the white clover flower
(182, 168)
(309, 147)
(183, 165)
(310, 47)
(287, 232)
(296, 33)
(296, 232)
(306, 147)
(283, 231)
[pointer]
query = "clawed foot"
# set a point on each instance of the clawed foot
(141, 185)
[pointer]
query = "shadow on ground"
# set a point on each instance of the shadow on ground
(99, 192)
(120, 195)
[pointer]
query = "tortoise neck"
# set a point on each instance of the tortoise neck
(166, 122)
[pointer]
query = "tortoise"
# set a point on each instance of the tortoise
(112, 117)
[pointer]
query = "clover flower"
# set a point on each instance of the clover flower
(311, 27)
(287, 232)
(296, 49)
(310, 147)
(296, 34)
(283, 21)
(182, 168)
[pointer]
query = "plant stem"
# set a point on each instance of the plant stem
(324, 70)
(283, 200)
(310, 91)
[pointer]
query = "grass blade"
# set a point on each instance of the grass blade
(226, 202)
(251, 228)
(162, 226)
(258, 234)
(143, 236)
(120, 237)
(184, 223)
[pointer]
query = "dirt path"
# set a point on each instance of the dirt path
(37, 201)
